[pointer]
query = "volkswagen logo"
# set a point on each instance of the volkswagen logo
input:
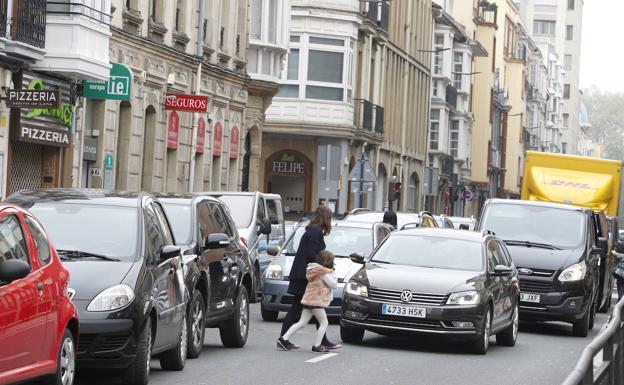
(406, 296)
(525, 271)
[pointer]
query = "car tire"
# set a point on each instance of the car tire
(607, 306)
(509, 336)
(480, 346)
(580, 328)
(175, 359)
(351, 335)
(138, 372)
(257, 289)
(65, 362)
(592, 316)
(268, 315)
(234, 332)
(196, 325)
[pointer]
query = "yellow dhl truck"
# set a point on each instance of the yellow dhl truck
(575, 180)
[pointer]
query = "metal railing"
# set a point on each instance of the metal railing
(29, 22)
(379, 119)
(364, 114)
(384, 21)
(601, 361)
(3, 17)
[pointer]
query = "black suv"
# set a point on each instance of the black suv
(218, 268)
(126, 276)
(557, 249)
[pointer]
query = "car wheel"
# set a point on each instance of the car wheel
(138, 372)
(65, 362)
(351, 335)
(196, 325)
(480, 346)
(234, 332)
(509, 336)
(268, 315)
(592, 316)
(580, 328)
(257, 289)
(175, 359)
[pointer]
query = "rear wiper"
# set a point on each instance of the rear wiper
(290, 254)
(376, 261)
(84, 254)
(530, 244)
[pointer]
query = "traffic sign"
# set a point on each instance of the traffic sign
(468, 195)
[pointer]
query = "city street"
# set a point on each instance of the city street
(543, 355)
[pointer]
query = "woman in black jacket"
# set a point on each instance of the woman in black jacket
(310, 246)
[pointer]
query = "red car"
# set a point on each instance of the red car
(38, 321)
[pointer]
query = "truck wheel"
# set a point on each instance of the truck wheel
(268, 315)
(580, 328)
(138, 372)
(235, 330)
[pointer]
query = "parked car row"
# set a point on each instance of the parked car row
(131, 277)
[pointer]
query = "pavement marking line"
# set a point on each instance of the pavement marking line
(321, 358)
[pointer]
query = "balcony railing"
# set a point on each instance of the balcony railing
(384, 22)
(3, 17)
(486, 12)
(364, 114)
(379, 119)
(28, 22)
(373, 12)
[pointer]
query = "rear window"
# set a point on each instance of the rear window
(241, 208)
(342, 241)
(180, 220)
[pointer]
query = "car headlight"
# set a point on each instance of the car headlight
(470, 297)
(575, 272)
(275, 272)
(356, 288)
(113, 298)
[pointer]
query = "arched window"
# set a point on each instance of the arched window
(413, 194)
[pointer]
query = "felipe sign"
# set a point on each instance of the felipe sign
(181, 102)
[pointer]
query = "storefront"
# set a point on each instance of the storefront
(38, 136)
(289, 174)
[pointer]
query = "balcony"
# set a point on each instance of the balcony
(369, 119)
(451, 96)
(23, 28)
(486, 13)
(377, 13)
(384, 22)
(379, 119)
(77, 37)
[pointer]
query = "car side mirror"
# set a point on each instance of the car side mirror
(619, 246)
(273, 251)
(502, 271)
(264, 226)
(601, 246)
(169, 251)
(216, 241)
(464, 226)
(12, 270)
(357, 258)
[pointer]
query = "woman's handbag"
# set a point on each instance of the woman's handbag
(618, 270)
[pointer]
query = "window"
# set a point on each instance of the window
(564, 147)
(272, 24)
(256, 19)
(437, 57)
(566, 120)
(544, 27)
(454, 138)
(510, 37)
(41, 240)
(293, 65)
(458, 69)
(566, 91)
(163, 224)
(325, 66)
(567, 62)
(569, 32)
(434, 129)
(570, 4)
(12, 243)
(435, 88)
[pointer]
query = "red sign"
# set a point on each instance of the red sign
(173, 126)
(234, 143)
(181, 102)
(218, 139)
(201, 135)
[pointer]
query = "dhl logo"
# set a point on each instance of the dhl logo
(563, 183)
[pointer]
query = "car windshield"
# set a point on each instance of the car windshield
(100, 229)
(241, 207)
(342, 241)
(180, 220)
(548, 225)
(430, 252)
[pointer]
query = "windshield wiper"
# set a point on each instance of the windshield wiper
(385, 262)
(290, 254)
(77, 254)
(530, 244)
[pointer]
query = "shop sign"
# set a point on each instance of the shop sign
(288, 164)
(47, 136)
(64, 113)
(33, 99)
(218, 139)
(108, 162)
(173, 127)
(89, 149)
(181, 102)
(201, 135)
(234, 136)
(117, 87)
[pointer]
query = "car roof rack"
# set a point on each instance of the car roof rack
(359, 211)
(412, 225)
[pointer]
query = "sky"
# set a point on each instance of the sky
(602, 56)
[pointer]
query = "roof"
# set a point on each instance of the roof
(463, 235)
(343, 223)
(245, 193)
(183, 199)
(28, 198)
(536, 204)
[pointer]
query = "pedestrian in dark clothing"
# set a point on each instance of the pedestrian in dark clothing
(390, 218)
(310, 246)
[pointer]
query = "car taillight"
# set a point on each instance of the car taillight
(244, 241)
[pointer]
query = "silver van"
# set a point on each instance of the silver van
(259, 218)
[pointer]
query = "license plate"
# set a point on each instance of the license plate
(527, 297)
(404, 311)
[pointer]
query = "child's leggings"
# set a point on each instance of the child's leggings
(306, 316)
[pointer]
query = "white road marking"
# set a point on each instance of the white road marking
(322, 357)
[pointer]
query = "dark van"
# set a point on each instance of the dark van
(557, 249)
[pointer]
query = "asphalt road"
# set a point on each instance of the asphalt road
(543, 355)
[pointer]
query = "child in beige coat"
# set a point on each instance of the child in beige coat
(318, 295)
